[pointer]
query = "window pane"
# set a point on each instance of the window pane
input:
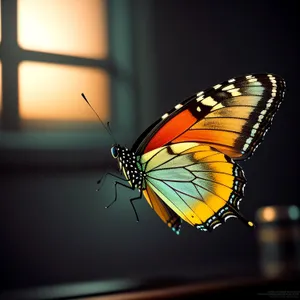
(70, 27)
(0, 24)
(53, 92)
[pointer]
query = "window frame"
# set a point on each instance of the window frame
(69, 148)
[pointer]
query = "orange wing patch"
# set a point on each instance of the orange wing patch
(227, 124)
(223, 141)
(166, 214)
(171, 129)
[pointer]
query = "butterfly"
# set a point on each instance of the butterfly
(186, 163)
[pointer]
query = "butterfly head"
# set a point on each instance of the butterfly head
(115, 151)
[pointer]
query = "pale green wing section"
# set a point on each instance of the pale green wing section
(200, 184)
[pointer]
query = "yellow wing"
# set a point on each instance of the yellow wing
(200, 184)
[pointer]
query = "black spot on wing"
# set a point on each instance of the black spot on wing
(198, 109)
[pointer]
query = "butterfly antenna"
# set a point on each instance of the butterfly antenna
(107, 128)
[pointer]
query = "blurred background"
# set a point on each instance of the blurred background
(134, 60)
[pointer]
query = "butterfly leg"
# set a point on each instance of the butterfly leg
(102, 179)
(116, 191)
(131, 201)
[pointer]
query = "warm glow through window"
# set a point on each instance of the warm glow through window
(69, 27)
(52, 52)
(0, 24)
(53, 92)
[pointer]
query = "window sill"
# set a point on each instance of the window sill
(55, 150)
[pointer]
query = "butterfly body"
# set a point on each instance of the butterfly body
(129, 165)
(185, 164)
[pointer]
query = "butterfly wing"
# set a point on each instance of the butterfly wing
(167, 215)
(200, 184)
(231, 117)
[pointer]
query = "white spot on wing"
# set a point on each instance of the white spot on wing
(209, 101)
(216, 225)
(165, 116)
(245, 147)
(253, 131)
(218, 106)
(260, 118)
(231, 80)
(217, 86)
(229, 216)
(228, 87)
(235, 92)
(252, 79)
(178, 106)
(198, 108)
(200, 98)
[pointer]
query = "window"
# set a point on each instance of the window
(51, 52)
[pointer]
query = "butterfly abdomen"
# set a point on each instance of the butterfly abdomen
(131, 168)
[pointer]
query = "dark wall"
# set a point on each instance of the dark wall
(53, 225)
(202, 43)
